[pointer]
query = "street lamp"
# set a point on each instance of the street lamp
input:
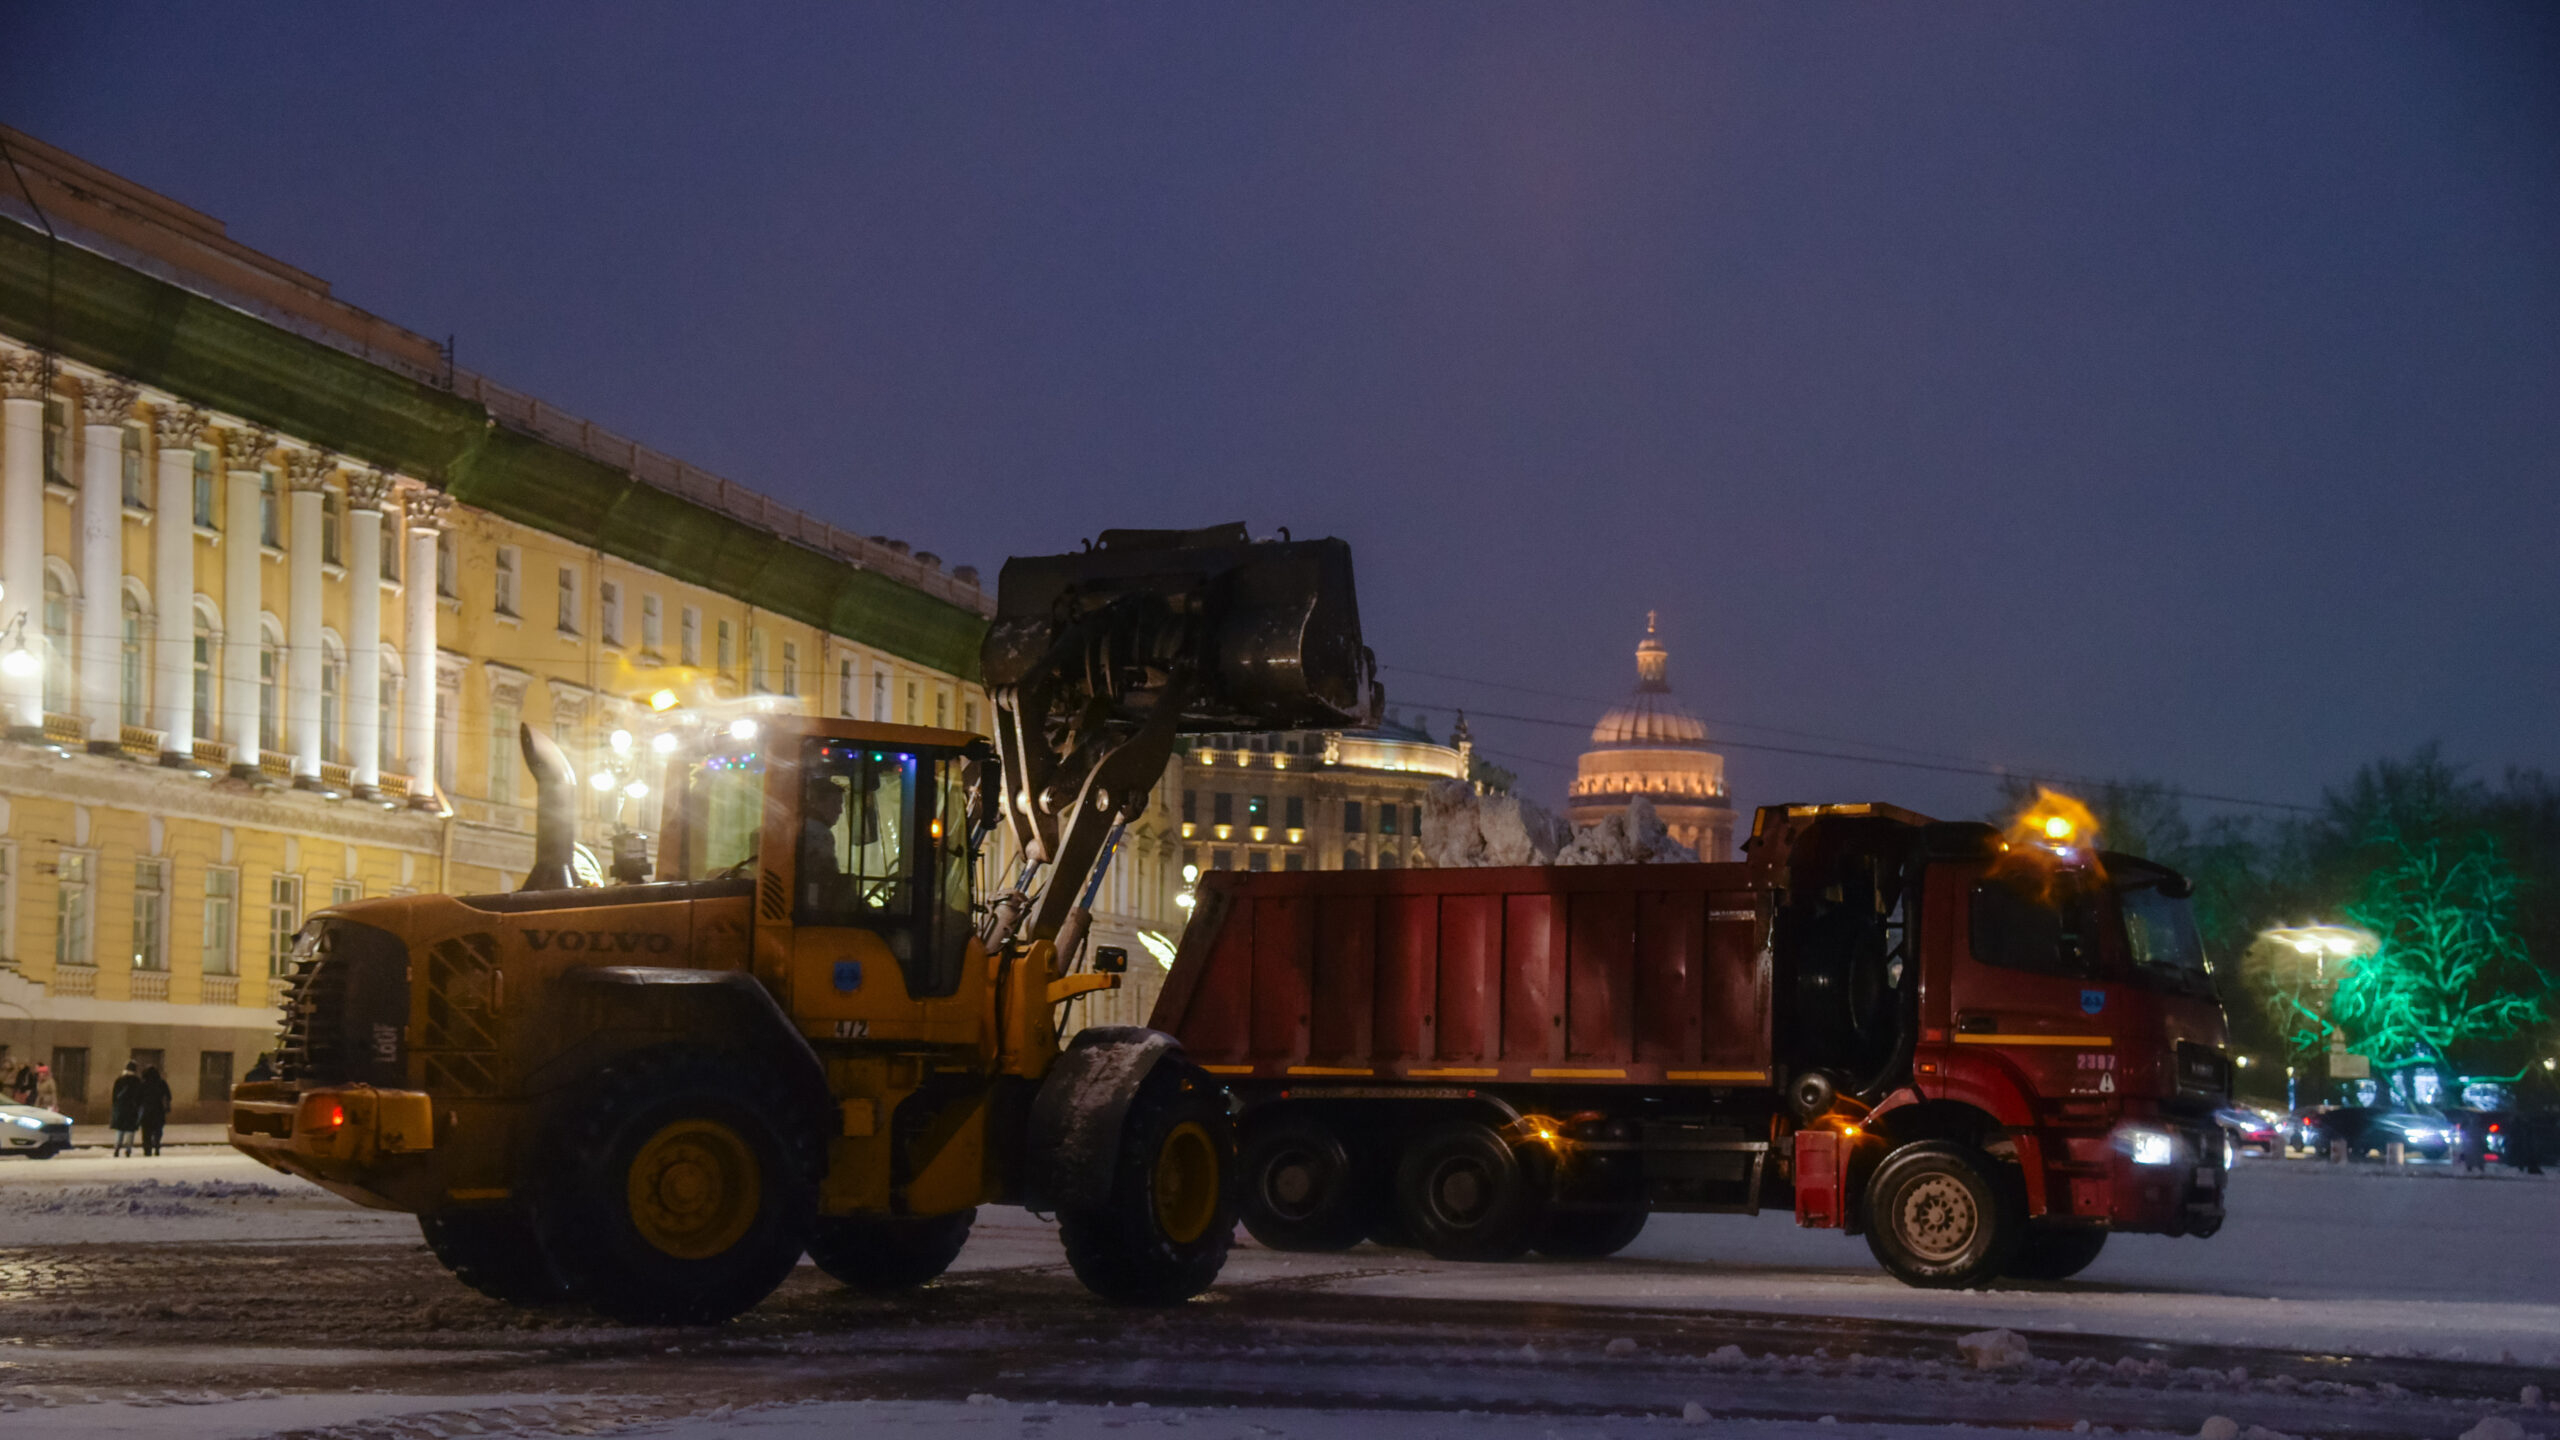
(2319, 943)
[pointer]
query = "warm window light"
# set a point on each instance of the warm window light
(663, 700)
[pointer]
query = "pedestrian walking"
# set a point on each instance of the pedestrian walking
(48, 1094)
(124, 1108)
(2475, 1144)
(155, 1108)
(22, 1083)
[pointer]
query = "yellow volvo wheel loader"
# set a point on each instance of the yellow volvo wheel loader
(808, 1034)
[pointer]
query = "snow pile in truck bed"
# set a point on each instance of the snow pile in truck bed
(1464, 830)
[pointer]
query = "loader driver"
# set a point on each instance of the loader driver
(853, 870)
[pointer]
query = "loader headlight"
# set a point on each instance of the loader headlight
(2146, 1146)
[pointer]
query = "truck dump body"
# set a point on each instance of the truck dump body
(1623, 974)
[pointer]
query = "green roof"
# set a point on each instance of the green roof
(98, 312)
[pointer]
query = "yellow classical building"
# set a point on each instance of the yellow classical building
(1655, 747)
(277, 585)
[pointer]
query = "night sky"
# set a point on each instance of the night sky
(2141, 391)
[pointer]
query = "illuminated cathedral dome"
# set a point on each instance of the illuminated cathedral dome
(1655, 747)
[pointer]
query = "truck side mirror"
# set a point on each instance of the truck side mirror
(1110, 960)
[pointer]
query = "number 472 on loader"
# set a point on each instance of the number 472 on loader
(809, 1035)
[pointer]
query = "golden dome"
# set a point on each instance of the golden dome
(1651, 718)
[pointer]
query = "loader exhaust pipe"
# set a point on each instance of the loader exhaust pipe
(555, 813)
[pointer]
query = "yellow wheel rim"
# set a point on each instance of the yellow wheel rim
(1186, 1183)
(694, 1189)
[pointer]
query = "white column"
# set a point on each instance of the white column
(98, 544)
(418, 641)
(243, 451)
(365, 492)
(23, 377)
(176, 429)
(308, 474)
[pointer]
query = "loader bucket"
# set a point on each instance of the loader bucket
(1265, 634)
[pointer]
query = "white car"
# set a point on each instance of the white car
(33, 1131)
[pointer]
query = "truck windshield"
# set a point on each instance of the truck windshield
(2160, 935)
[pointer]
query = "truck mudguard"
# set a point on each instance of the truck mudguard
(615, 1008)
(1074, 1135)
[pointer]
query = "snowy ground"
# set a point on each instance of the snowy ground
(200, 1295)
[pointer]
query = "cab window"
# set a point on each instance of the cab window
(2160, 935)
(2033, 922)
(856, 862)
(724, 813)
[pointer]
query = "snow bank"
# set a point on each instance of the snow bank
(1462, 830)
(1994, 1349)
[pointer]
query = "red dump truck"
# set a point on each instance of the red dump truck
(1985, 1052)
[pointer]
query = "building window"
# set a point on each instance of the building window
(1417, 822)
(207, 696)
(1296, 810)
(790, 668)
(727, 652)
(333, 692)
(1222, 808)
(880, 697)
(503, 756)
(343, 891)
(150, 914)
(570, 608)
(1222, 859)
(1351, 817)
(1294, 860)
(653, 624)
(942, 709)
(1387, 860)
(448, 567)
(504, 601)
(1258, 861)
(284, 917)
(270, 692)
(133, 668)
(270, 514)
(1351, 860)
(208, 515)
(609, 611)
(1257, 810)
(71, 1073)
(391, 546)
(57, 444)
(969, 717)
(915, 703)
(755, 661)
(844, 688)
(213, 1076)
(1386, 822)
(1190, 807)
(222, 922)
(689, 637)
(333, 528)
(57, 644)
(71, 914)
(136, 497)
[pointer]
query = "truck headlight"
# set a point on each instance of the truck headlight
(2146, 1146)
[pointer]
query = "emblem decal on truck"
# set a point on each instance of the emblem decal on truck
(2092, 1001)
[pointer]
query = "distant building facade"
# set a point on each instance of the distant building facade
(1655, 747)
(1313, 799)
(277, 585)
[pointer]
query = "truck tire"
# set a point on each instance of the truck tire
(1940, 1216)
(1162, 1235)
(1303, 1189)
(883, 1253)
(2057, 1252)
(682, 1187)
(1589, 1234)
(495, 1252)
(1466, 1193)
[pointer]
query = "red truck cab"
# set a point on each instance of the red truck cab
(1986, 1053)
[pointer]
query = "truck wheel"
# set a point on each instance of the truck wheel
(1940, 1218)
(681, 1191)
(1303, 1188)
(1465, 1194)
(496, 1253)
(1589, 1234)
(1163, 1234)
(889, 1252)
(2057, 1252)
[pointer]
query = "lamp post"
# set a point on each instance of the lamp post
(2319, 944)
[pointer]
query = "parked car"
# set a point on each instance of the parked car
(2252, 1132)
(33, 1131)
(2370, 1130)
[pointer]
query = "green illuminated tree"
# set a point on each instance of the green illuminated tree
(2451, 973)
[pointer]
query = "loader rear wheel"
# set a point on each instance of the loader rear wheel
(1589, 1234)
(1303, 1188)
(1162, 1235)
(1941, 1216)
(681, 1190)
(495, 1252)
(889, 1252)
(1466, 1193)
(2057, 1252)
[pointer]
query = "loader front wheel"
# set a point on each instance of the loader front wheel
(1162, 1235)
(681, 1191)
(495, 1252)
(883, 1253)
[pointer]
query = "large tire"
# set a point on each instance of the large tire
(1302, 1188)
(1465, 1193)
(681, 1189)
(1162, 1235)
(2057, 1252)
(884, 1253)
(1589, 1234)
(1940, 1216)
(496, 1253)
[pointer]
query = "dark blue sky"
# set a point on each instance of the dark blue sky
(2165, 391)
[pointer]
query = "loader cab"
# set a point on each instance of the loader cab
(855, 843)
